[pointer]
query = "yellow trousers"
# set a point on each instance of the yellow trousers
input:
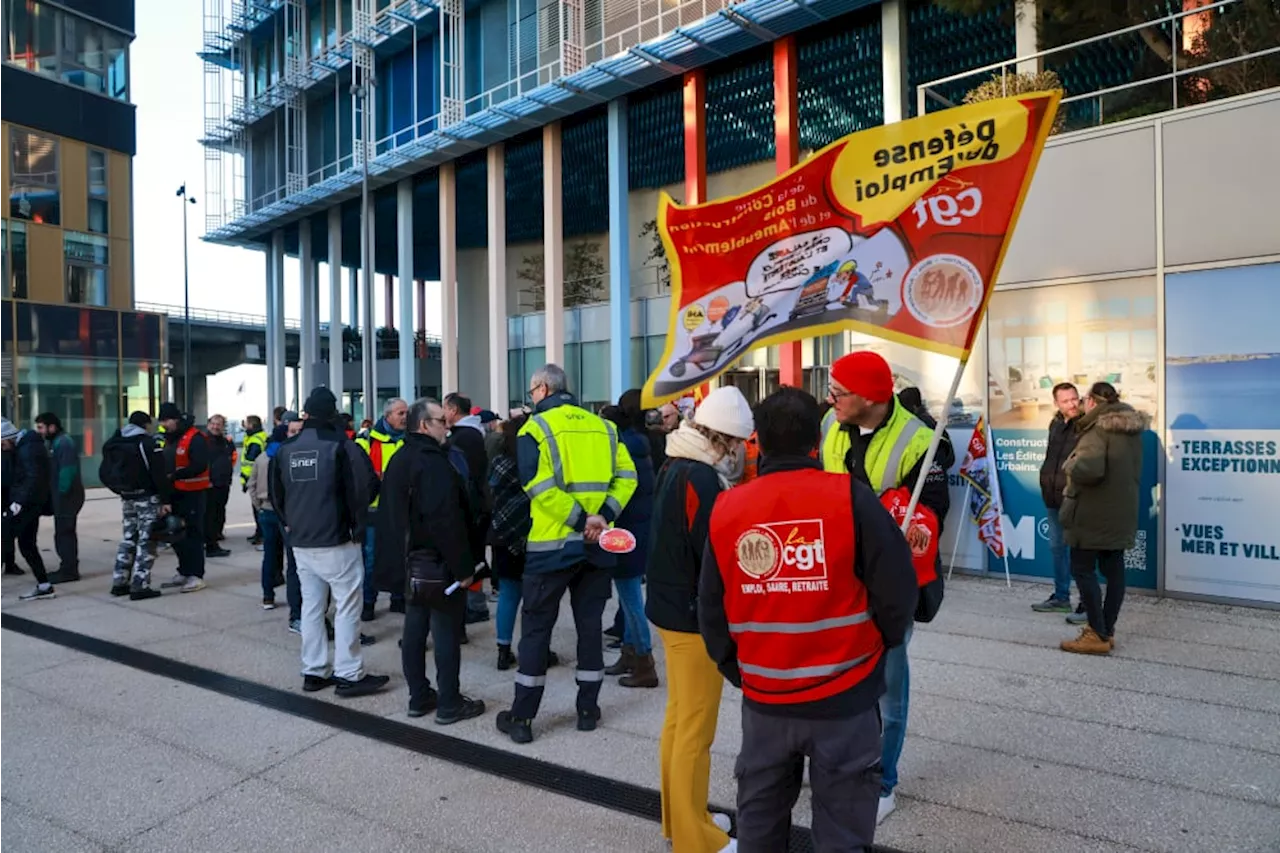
(693, 707)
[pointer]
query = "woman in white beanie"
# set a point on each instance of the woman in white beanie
(705, 456)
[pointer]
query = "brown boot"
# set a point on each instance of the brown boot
(624, 664)
(1088, 643)
(644, 674)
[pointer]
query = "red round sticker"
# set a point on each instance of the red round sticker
(618, 541)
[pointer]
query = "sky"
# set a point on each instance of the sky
(167, 87)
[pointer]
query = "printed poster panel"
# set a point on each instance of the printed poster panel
(1222, 380)
(897, 231)
(1077, 333)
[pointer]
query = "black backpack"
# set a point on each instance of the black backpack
(125, 469)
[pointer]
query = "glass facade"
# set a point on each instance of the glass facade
(53, 42)
(87, 265)
(33, 177)
(98, 210)
(90, 366)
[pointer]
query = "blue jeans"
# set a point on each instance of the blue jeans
(893, 711)
(635, 630)
(370, 555)
(1061, 557)
(509, 593)
(275, 550)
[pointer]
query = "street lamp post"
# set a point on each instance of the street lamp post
(186, 305)
(362, 88)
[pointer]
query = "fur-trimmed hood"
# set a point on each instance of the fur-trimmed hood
(1115, 417)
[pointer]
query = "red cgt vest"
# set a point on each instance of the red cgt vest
(924, 560)
(200, 481)
(798, 613)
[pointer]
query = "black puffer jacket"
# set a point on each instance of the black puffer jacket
(31, 477)
(1062, 441)
(685, 493)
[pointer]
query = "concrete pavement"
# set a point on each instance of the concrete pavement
(1171, 744)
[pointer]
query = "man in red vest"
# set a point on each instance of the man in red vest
(187, 460)
(805, 582)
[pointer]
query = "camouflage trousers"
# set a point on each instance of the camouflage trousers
(136, 552)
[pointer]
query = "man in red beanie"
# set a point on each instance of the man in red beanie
(870, 434)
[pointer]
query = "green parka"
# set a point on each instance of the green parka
(1100, 504)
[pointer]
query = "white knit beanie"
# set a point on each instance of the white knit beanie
(7, 429)
(725, 410)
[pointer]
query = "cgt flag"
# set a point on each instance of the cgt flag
(982, 494)
(897, 231)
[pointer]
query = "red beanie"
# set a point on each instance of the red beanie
(866, 374)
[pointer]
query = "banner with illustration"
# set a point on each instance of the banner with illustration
(983, 494)
(1222, 375)
(897, 231)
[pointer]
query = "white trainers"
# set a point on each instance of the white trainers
(721, 820)
(193, 584)
(887, 805)
(174, 582)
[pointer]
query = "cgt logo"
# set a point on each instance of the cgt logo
(1020, 539)
(788, 550)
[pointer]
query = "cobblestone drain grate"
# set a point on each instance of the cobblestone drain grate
(567, 781)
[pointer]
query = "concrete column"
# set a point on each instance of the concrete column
(497, 208)
(1025, 39)
(619, 252)
(449, 277)
(309, 334)
(335, 302)
(272, 320)
(893, 49)
(404, 254)
(786, 134)
(276, 329)
(553, 242)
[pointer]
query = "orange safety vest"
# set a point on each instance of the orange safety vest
(796, 610)
(200, 481)
(751, 469)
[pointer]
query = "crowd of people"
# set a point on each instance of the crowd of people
(764, 551)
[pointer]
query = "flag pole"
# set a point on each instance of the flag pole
(968, 487)
(995, 496)
(933, 445)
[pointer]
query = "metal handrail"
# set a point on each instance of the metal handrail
(925, 93)
(233, 318)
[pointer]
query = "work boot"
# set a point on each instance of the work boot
(367, 613)
(506, 658)
(624, 664)
(1088, 643)
(643, 674)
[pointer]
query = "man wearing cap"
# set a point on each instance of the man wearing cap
(321, 487)
(578, 477)
(871, 435)
(187, 461)
(27, 488)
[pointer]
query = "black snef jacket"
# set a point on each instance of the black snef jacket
(321, 485)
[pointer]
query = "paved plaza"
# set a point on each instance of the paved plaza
(1171, 744)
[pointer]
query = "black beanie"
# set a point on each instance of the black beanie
(321, 405)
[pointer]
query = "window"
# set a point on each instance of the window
(48, 40)
(98, 191)
(16, 259)
(33, 177)
(86, 269)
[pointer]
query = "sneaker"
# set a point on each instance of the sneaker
(367, 639)
(731, 847)
(174, 582)
(1078, 618)
(255, 540)
(295, 626)
(268, 604)
(1052, 605)
(397, 605)
(367, 614)
(217, 552)
(887, 805)
(613, 645)
(588, 720)
(466, 710)
(520, 731)
(40, 593)
(64, 576)
(428, 703)
(119, 589)
(142, 593)
(1088, 643)
(722, 821)
(193, 584)
(365, 686)
(316, 683)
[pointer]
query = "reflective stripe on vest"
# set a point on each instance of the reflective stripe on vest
(784, 545)
(200, 481)
(893, 444)
(379, 447)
